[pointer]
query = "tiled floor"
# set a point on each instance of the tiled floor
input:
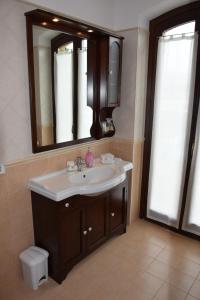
(148, 262)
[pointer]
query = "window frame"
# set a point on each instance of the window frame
(187, 13)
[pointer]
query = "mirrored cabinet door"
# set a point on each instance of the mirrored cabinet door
(60, 73)
(114, 72)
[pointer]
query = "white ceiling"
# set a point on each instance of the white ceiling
(112, 14)
(133, 13)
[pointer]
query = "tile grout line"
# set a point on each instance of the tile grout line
(168, 282)
(192, 287)
(154, 297)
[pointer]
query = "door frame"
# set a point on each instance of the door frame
(175, 17)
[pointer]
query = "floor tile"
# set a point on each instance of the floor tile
(180, 280)
(147, 283)
(169, 292)
(159, 270)
(171, 275)
(195, 290)
(148, 262)
(189, 297)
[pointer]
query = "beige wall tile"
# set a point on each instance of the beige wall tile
(122, 148)
(136, 179)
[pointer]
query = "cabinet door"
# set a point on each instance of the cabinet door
(96, 220)
(118, 208)
(115, 52)
(71, 236)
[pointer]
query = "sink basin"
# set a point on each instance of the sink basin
(94, 175)
(62, 184)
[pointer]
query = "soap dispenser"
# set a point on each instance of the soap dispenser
(89, 159)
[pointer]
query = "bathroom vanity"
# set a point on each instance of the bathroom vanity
(71, 227)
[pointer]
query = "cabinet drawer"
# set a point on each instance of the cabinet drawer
(70, 204)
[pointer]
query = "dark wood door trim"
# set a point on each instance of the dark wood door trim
(168, 20)
(193, 126)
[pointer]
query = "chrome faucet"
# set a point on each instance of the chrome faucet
(80, 162)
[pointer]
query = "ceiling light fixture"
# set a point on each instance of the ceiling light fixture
(44, 23)
(90, 30)
(55, 20)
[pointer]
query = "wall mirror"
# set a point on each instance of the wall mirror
(74, 78)
(60, 73)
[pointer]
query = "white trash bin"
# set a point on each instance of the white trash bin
(34, 266)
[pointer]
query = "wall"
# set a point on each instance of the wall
(15, 131)
(124, 115)
(129, 118)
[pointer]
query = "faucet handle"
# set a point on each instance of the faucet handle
(78, 160)
(83, 162)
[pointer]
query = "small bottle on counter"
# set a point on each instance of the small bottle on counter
(89, 158)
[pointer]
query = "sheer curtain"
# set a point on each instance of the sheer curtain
(172, 117)
(85, 113)
(63, 74)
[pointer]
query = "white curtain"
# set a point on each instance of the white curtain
(171, 122)
(85, 113)
(63, 74)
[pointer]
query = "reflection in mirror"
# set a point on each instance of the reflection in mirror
(63, 65)
(113, 85)
(85, 114)
(60, 72)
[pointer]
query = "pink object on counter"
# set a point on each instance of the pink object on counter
(89, 159)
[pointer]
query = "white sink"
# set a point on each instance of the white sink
(62, 184)
(94, 175)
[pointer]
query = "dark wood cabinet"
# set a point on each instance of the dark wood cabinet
(110, 66)
(72, 228)
(96, 221)
(110, 71)
(117, 209)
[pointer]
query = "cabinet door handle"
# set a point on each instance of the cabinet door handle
(112, 214)
(90, 229)
(67, 204)
(85, 232)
